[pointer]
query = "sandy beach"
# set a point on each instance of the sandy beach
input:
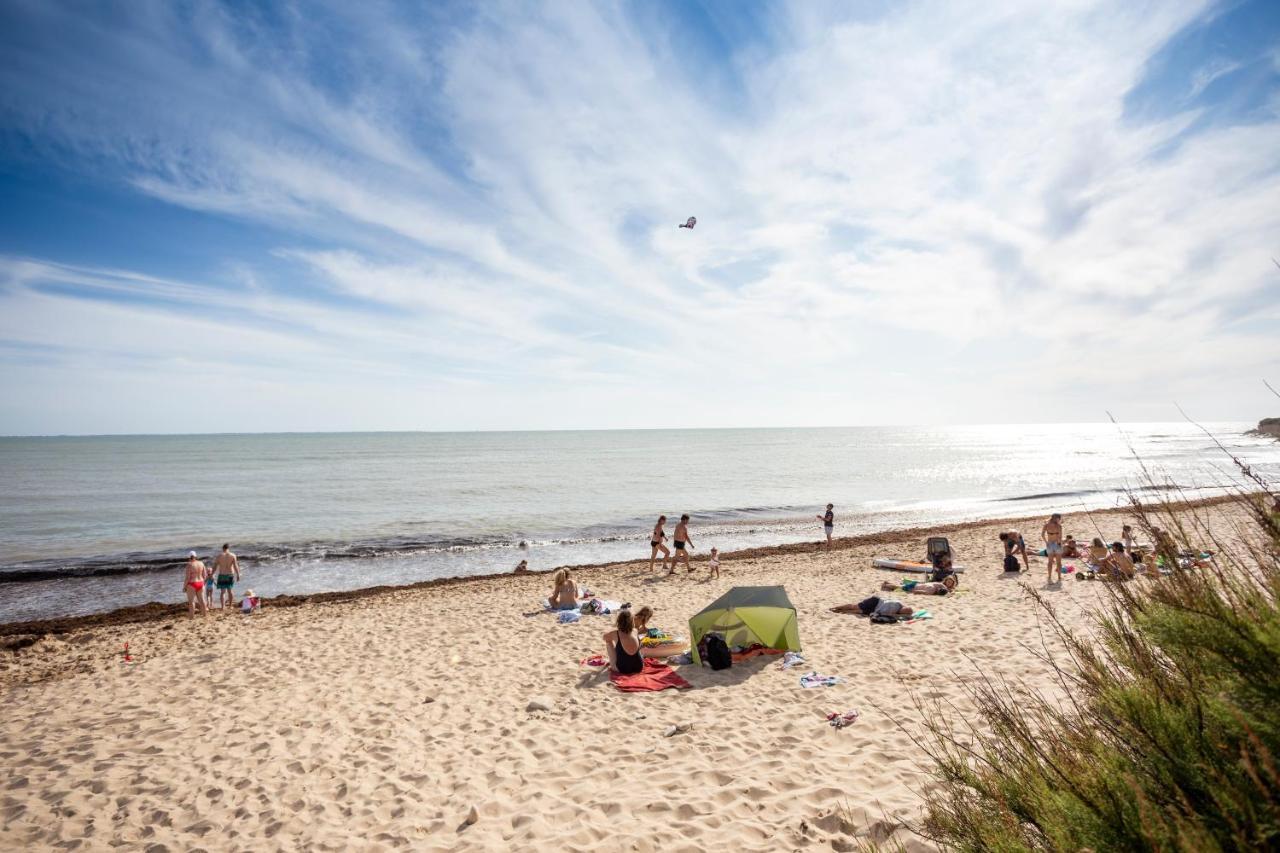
(400, 719)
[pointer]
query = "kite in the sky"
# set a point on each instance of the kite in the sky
(693, 220)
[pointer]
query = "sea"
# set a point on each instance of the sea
(91, 524)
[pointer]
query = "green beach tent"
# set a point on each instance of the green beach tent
(749, 614)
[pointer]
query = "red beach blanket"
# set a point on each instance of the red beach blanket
(654, 676)
(754, 650)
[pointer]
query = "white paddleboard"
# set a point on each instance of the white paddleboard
(906, 565)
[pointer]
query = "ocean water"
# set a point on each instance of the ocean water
(91, 524)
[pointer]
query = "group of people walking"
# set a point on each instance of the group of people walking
(683, 543)
(200, 581)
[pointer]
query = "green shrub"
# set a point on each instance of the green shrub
(1169, 738)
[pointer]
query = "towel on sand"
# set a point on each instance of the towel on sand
(654, 676)
(738, 657)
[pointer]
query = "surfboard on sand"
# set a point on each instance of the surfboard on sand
(906, 565)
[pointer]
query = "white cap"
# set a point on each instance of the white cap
(192, 555)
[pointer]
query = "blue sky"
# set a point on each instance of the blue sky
(253, 217)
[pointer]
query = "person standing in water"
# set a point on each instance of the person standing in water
(193, 585)
(682, 543)
(1051, 533)
(227, 569)
(828, 523)
(656, 543)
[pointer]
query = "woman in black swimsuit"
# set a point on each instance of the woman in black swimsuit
(655, 543)
(623, 646)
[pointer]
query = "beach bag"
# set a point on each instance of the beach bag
(884, 619)
(869, 605)
(1011, 563)
(717, 654)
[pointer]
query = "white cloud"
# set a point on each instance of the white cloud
(900, 218)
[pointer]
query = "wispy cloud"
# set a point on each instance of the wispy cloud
(902, 216)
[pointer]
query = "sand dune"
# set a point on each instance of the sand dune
(392, 721)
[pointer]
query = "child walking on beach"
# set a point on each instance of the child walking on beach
(714, 563)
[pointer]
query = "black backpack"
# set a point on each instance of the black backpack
(1011, 563)
(717, 652)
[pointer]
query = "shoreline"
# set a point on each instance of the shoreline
(17, 635)
(436, 719)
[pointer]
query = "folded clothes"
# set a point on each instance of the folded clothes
(791, 659)
(812, 679)
(568, 617)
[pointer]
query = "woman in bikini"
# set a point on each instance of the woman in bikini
(656, 543)
(564, 591)
(622, 644)
(193, 585)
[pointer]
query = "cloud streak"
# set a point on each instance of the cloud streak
(902, 217)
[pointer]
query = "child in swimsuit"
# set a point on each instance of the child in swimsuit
(714, 563)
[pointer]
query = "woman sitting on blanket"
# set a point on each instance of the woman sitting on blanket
(622, 644)
(564, 591)
(943, 587)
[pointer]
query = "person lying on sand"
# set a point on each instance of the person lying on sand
(1070, 548)
(564, 591)
(622, 645)
(875, 606)
(945, 586)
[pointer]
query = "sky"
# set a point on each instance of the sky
(241, 217)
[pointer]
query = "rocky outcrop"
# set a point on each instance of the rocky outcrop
(1267, 426)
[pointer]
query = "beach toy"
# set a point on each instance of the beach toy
(128, 658)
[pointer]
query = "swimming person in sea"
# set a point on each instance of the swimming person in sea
(227, 569)
(828, 522)
(193, 585)
(622, 644)
(682, 543)
(656, 540)
(564, 591)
